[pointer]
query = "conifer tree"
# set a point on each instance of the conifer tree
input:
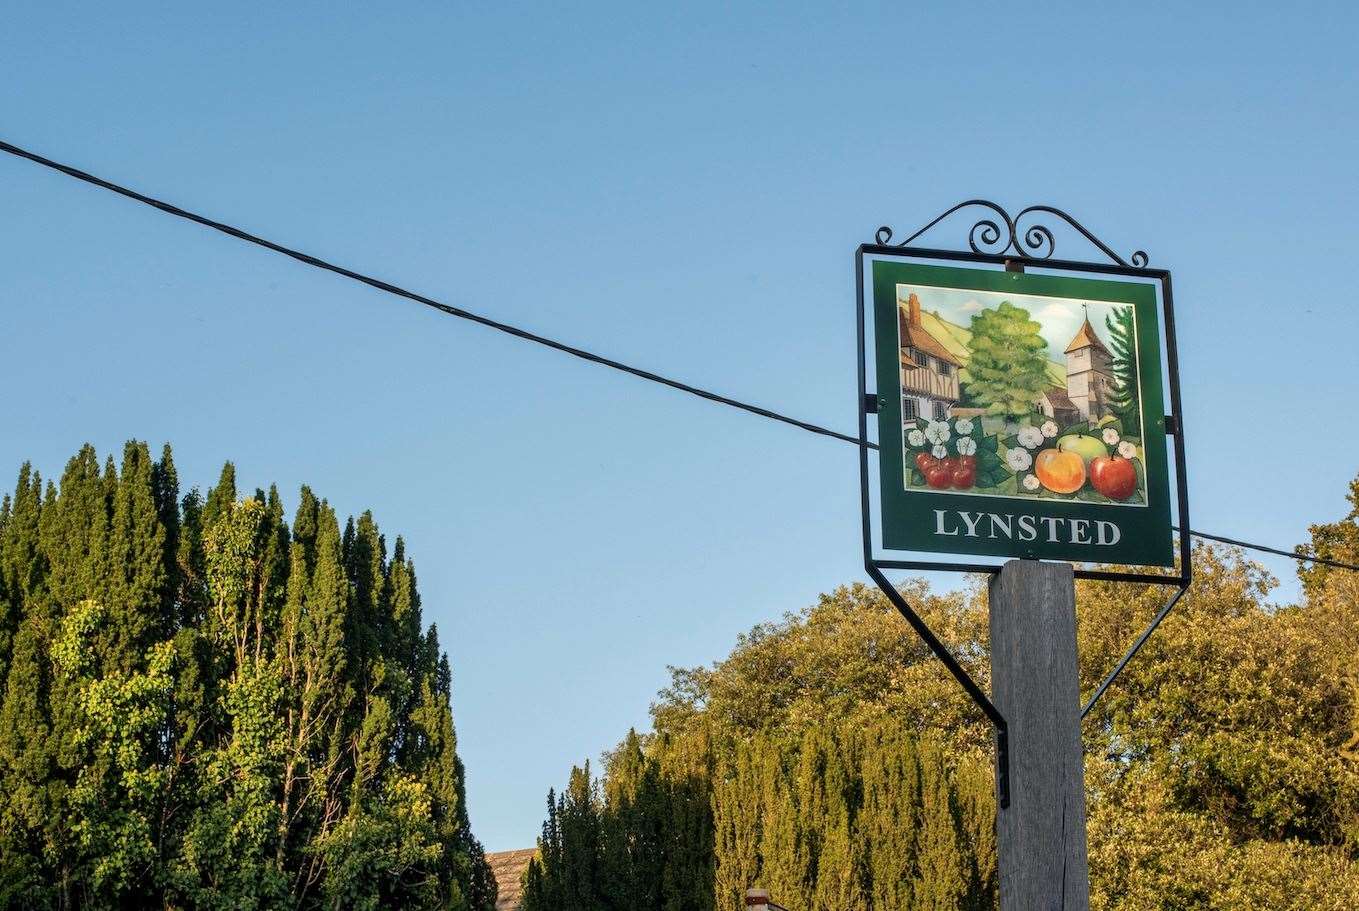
(1124, 399)
(736, 826)
(890, 817)
(194, 711)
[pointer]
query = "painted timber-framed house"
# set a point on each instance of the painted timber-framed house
(929, 371)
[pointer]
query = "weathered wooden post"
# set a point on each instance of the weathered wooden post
(1041, 835)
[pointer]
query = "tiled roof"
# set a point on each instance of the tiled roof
(1058, 398)
(508, 868)
(1086, 337)
(915, 335)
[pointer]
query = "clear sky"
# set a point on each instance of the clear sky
(682, 186)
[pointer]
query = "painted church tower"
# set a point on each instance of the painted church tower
(1089, 375)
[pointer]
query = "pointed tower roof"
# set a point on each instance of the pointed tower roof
(1086, 337)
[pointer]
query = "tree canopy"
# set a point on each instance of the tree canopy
(1007, 371)
(202, 706)
(842, 767)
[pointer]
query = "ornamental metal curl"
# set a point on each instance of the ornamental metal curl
(997, 233)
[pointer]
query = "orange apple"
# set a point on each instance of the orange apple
(1059, 471)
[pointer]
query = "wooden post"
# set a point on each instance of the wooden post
(1041, 836)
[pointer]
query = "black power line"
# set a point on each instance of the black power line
(515, 331)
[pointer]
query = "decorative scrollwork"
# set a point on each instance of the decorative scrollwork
(997, 233)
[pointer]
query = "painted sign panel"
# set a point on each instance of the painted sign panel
(1020, 415)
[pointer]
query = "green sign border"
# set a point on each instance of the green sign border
(908, 515)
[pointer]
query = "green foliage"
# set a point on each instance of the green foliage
(843, 768)
(1123, 346)
(202, 708)
(1007, 371)
(1332, 541)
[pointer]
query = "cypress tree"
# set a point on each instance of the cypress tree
(941, 867)
(975, 785)
(890, 817)
(27, 792)
(22, 567)
(542, 882)
(180, 718)
(838, 876)
(738, 811)
(782, 868)
(683, 768)
(1123, 346)
(579, 820)
(221, 497)
(136, 586)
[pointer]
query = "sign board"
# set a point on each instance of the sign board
(1020, 414)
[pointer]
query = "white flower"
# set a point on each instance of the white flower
(1127, 450)
(937, 432)
(1110, 436)
(1030, 482)
(966, 446)
(1030, 437)
(940, 451)
(916, 439)
(1018, 459)
(963, 426)
(1049, 429)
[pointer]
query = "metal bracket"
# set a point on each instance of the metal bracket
(1003, 766)
(1136, 646)
(961, 675)
(1014, 242)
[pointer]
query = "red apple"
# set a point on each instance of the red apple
(964, 476)
(923, 461)
(967, 461)
(1113, 476)
(938, 476)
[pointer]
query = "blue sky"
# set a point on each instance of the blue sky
(682, 187)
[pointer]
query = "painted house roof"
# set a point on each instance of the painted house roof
(1058, 399)
(915, 335)
(509, 867)
(1086, 338)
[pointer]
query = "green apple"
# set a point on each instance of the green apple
(1088, 448)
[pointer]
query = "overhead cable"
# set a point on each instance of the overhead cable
(524, 334)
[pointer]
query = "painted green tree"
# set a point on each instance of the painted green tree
(1007, 370)
(1123, 346)
(203, 707)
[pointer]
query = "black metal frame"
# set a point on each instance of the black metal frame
(1015, 248)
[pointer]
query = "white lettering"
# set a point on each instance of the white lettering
(939, 524)
(1052, 525)
(1027, 531)
(1001, 522)
(1079, 527)
(1101, 527)
(971, 522)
